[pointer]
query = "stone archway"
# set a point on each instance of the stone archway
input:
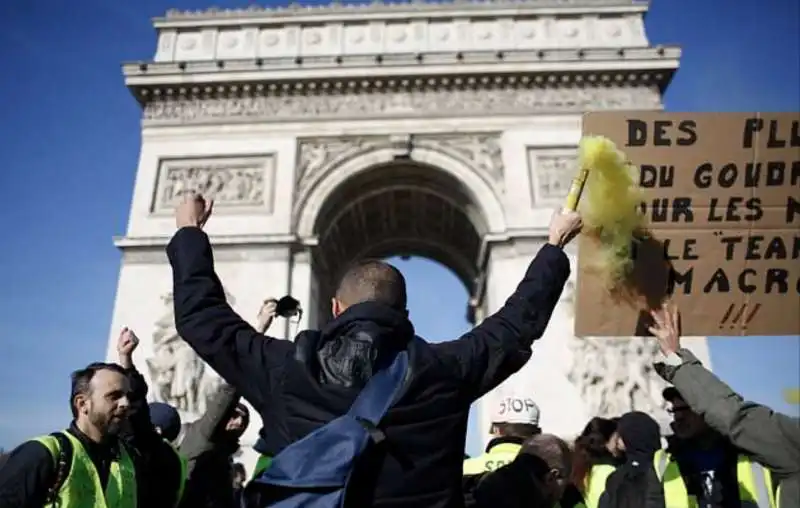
(464, 116)
(398, 196)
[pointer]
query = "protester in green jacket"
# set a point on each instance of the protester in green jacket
(771, 439)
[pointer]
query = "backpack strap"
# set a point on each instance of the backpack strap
(63, 466)
(379, 394)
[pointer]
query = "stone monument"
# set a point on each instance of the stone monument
(329, 133)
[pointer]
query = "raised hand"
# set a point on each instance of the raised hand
(126, 345)
(193, 211)
(667, 328)
(266, 314)
(564, 226)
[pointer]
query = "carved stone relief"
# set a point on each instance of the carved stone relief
(552, 174)
(317, 154)
(419, 102)
(178, 376)
(616, 375)
(242, 181)
(482, 151)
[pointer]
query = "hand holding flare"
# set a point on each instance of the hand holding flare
(609, 203)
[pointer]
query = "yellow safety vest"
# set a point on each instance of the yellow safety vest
(595, 485)
(497, 456)
(755, 483)
(81, 487)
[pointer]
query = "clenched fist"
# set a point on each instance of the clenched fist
(193, 211)
(126, 345)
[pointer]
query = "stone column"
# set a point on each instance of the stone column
(301, 281)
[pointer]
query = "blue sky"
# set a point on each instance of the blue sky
(70, 141)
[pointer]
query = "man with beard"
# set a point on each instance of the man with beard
(85, 463)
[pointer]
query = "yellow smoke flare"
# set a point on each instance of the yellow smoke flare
(610, 208)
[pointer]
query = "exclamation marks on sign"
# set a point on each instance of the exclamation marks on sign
(741, 316)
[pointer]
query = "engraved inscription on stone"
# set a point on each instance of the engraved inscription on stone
(551, 174)
(424, 102)
(230, 182)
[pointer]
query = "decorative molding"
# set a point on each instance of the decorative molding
(515, 248)
(222, 254)
(401, 100)
(317, 155)
(551, 174)
(479, 150)
(232, 182)
(445, 30)
(380, 7)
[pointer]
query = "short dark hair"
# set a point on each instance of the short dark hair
(671, 394)
(517, 430)
(81, 380)
(551, 449)
(590, 446)
(372, 280)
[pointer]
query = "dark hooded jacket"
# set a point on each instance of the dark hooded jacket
(635, 483)
(209, 451)
(299, 386)
(515, 485)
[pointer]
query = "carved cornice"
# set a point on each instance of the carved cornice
(381, 7)
(219, 72)
(401, 97)
(222, 253)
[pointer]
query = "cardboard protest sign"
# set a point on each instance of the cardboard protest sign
(722, 200)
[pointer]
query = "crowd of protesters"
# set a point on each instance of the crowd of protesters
(363, 413)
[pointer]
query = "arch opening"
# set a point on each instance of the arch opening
(401, 208)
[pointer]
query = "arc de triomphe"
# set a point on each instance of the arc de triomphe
(330, 133)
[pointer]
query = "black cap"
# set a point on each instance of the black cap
(671, 393)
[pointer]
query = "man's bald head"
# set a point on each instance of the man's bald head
(371, 281)
(551, 449)
(555, 463)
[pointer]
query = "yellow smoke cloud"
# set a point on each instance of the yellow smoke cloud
(610, 210)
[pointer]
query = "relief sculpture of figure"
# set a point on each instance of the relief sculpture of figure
(179, 376)
(615, 375)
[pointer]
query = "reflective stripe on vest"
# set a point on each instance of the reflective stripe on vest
(184, 473)
(82, 489)
(755, 483)
(497, 456)
(595, 484)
